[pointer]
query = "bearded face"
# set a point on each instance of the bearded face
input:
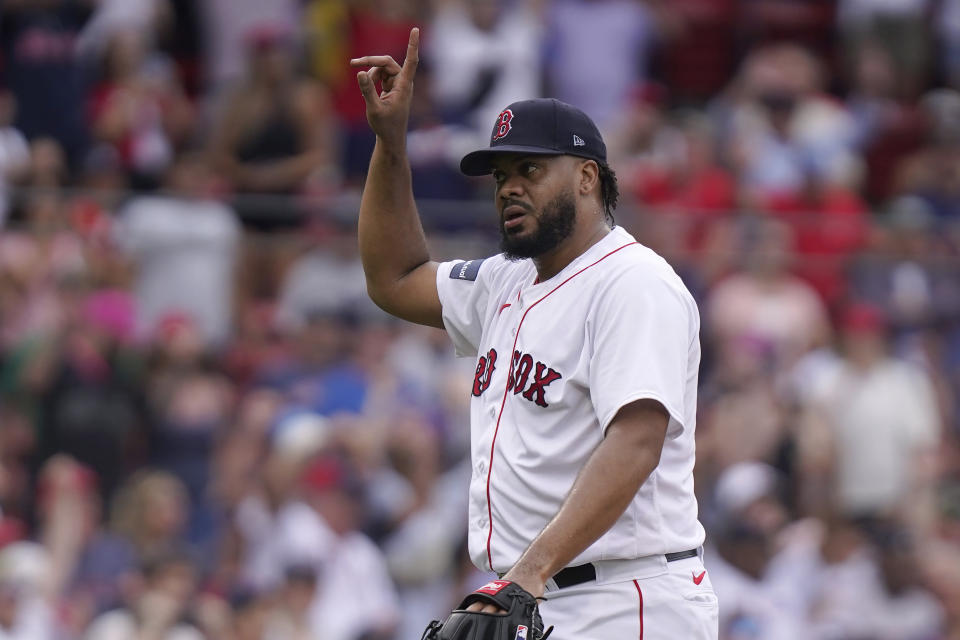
(539, 232)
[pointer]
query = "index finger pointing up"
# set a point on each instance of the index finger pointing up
(413, 55)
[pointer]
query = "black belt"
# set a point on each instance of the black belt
(587, 572)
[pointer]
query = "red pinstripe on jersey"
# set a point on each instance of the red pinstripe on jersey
(640, 595)
(506, 390)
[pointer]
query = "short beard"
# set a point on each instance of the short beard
(554, 225)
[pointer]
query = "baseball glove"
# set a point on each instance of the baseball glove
(520, 622)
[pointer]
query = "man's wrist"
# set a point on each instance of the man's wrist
(394, 146)
(527, 571)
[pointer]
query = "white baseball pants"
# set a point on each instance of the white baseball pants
(678, 604)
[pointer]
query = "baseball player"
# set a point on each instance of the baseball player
(584, 399)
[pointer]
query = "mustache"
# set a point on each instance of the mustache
(515, 203)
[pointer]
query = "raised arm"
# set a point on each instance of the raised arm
(401, 279)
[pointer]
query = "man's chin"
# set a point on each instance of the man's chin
(520, 246)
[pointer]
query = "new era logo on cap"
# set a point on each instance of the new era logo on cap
(543, 126)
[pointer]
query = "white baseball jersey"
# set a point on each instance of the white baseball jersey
(556, 360)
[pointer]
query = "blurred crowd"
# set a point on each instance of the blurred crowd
(207, 431)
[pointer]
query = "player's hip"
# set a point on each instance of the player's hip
(677, 603)
(498, 542)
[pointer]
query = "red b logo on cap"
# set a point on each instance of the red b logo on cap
(503, 125)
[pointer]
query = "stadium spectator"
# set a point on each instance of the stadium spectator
(25, 611)
(888, 125)
(48, 164)
(226, 28)
(770, 21)
(139, 108)
(673, 172)
(112, 17)
(598, 78)
(18, 443)
(883, 420)
(319, 530)
(901, 606)
(932, 172)
(902, 27)
(43, 69)
(290, 617)
(321, 376)
(700, 49)
(327, 276)
(897, 275)
(160, 610)
(748, 519)
(14, 152)
(250, 615)
(947, 22)
(295, 440)
(765, 302)
(783, 128)
(92, 402)
(372, 25)
(426, 520)
(184, 244)
(273, 133)
(191, 404)
(150, 513)
(483, 55)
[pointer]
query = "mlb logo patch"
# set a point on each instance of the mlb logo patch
(493, 588)
(466, 270)
(521, 633)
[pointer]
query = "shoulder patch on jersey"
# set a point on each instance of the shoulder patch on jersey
(466, 270)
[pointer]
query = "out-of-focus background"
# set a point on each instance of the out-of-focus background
(208, 431)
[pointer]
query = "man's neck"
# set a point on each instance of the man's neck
(553, 262)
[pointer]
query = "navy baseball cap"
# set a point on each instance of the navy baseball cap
(543, 126)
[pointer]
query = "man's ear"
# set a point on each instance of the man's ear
(589, 177)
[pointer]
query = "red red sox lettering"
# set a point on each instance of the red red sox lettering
(523, 369)
(485, 367)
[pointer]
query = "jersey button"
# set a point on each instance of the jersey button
(481, 466)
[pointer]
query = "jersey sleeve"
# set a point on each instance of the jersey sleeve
(464, 290)
(641, 334)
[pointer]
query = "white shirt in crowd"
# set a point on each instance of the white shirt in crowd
(123, 625)
(14, 157)
(460, 54)
(881, 419)
(354, 589)
(321, 280)
(748, 609)
(600, 77)
(614, 326)
(227, 24)
(35, 620)
(185, 252)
